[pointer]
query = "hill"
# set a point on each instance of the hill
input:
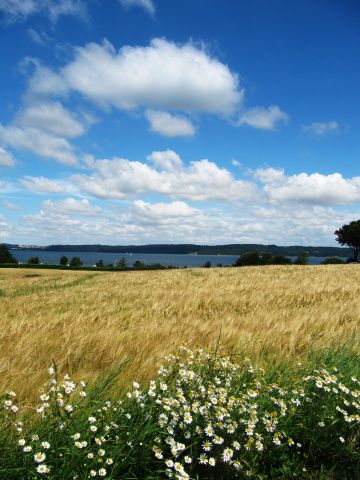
(231, 249)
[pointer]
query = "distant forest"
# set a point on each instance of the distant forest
(233, 249)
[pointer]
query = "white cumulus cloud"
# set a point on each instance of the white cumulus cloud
(162, 210)
(41, 185)
(201, 180)
(163, 75)
(38, 142)
(314, 189)
(169, 125)
(263, 118)
(166, 160)
(51, 117)
(71, 206)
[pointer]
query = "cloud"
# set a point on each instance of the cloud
(162, 75)
(172, 210)
(140, 222)
(10, 205)
(166, 160)
(75, 8)
(6, 159)
(38, 142)
(51, 117)
(263, 118)
(41, 185)
(319, 129)
(147, 5)
(45, 82)
(5, 229)
(270, 175)
(169, 125)
(71, 206)
(20, 10)
(235, 163)
(40, 38)
(202, 180)
(313, 189)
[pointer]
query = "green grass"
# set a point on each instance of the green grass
(291, 422)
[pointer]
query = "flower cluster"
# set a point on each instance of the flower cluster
(203, 416)
(207, 418)
(344, 400)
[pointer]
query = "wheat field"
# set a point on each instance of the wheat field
(90, 321)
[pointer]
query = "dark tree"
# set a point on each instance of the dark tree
(139, 265)
(75, 262)
(207, 264)
(332, 261)
(350, 235)
(100, 264)
(121, 263)
(33, 261)
(302, 259)
(64, 260)
(248, 259)
(281, 260)
(5, 255)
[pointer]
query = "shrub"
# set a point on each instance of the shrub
(254, 258)
(331, 261)
(33, 261)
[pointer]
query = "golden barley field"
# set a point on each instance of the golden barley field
(90, 321)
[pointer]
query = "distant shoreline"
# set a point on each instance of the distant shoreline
(193, 249)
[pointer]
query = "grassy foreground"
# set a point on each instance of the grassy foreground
(89, 322)
(203, 416)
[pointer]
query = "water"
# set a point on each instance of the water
(90, 258)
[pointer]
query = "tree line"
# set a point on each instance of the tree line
(348, 235)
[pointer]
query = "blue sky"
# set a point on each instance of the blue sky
(199, 121)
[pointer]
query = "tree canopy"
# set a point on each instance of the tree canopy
(75, 262)
(349, 235)
(5, 255)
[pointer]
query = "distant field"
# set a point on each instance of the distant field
(90, 321)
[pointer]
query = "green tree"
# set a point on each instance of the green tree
(75, 262)
(332, 261)
(248, 259)
(33, 261)
(281, 260)
(139, 265)
(5, 255)
(64, 260)
(121, 263)
(350, 235)
(100, 264)
(207, 264)
(302, 259)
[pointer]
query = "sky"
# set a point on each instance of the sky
(192, 121)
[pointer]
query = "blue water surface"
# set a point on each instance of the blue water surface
(177, 260)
